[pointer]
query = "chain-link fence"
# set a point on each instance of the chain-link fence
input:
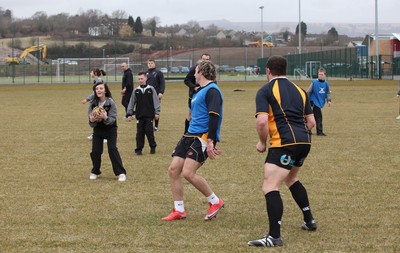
(61, 71)
(233, 64)
(341, 63)
(236, 64)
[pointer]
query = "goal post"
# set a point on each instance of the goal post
(312, 68)
(83, 66)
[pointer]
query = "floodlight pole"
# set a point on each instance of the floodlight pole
(170, 53)
(369, 57)
(299, 26)
(376, 39)
(262, 32)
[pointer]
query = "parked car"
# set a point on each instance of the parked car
(185, 70)
(225, 68)
(68, 62)
(175, 70)
(164, 70)
(336, 65)
(240, 69)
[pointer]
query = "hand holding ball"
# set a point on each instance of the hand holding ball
(98, 113)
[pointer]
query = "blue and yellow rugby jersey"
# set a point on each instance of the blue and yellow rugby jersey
(287, 105)
(200, 111)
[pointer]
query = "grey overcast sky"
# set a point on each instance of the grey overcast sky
(182, 11)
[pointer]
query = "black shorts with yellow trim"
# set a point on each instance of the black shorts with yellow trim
(193, 147)
(288, 156)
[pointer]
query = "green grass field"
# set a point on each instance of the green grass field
(48, 203)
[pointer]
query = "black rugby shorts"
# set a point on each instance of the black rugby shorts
(191, 147)
(289, 156)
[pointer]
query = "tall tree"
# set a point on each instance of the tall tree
(5, 21)
(286, 35)
(152, 24)
(192, 27)
(131, 23)
(303, 30)
(58, 23)
(40, 18)
(285, 31)
(8, 14)
(87, 19)
(138, 26)
(119, 18)
(333, 35)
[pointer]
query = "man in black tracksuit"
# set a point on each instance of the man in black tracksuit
(127, 85)
(156, 79)
(144, 105)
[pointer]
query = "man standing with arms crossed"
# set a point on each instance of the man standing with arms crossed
(156, 79)
(197, 144)
(284, 113)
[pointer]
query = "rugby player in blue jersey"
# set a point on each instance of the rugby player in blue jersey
(198, 143)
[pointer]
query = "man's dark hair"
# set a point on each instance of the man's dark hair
(205, 54)
(277, 65)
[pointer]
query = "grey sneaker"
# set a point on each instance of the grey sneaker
(266, 241)
(310, 226)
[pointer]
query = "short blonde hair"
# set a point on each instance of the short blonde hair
(208, 70)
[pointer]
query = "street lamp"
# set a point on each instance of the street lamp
(262, 32)
(170, 57)
(299, 26)
(376, 38)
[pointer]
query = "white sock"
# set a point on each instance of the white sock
(179, 206)
(213, 199)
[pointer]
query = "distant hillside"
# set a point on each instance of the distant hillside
(349, 29)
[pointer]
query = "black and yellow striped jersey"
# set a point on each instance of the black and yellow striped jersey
(287, 106)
